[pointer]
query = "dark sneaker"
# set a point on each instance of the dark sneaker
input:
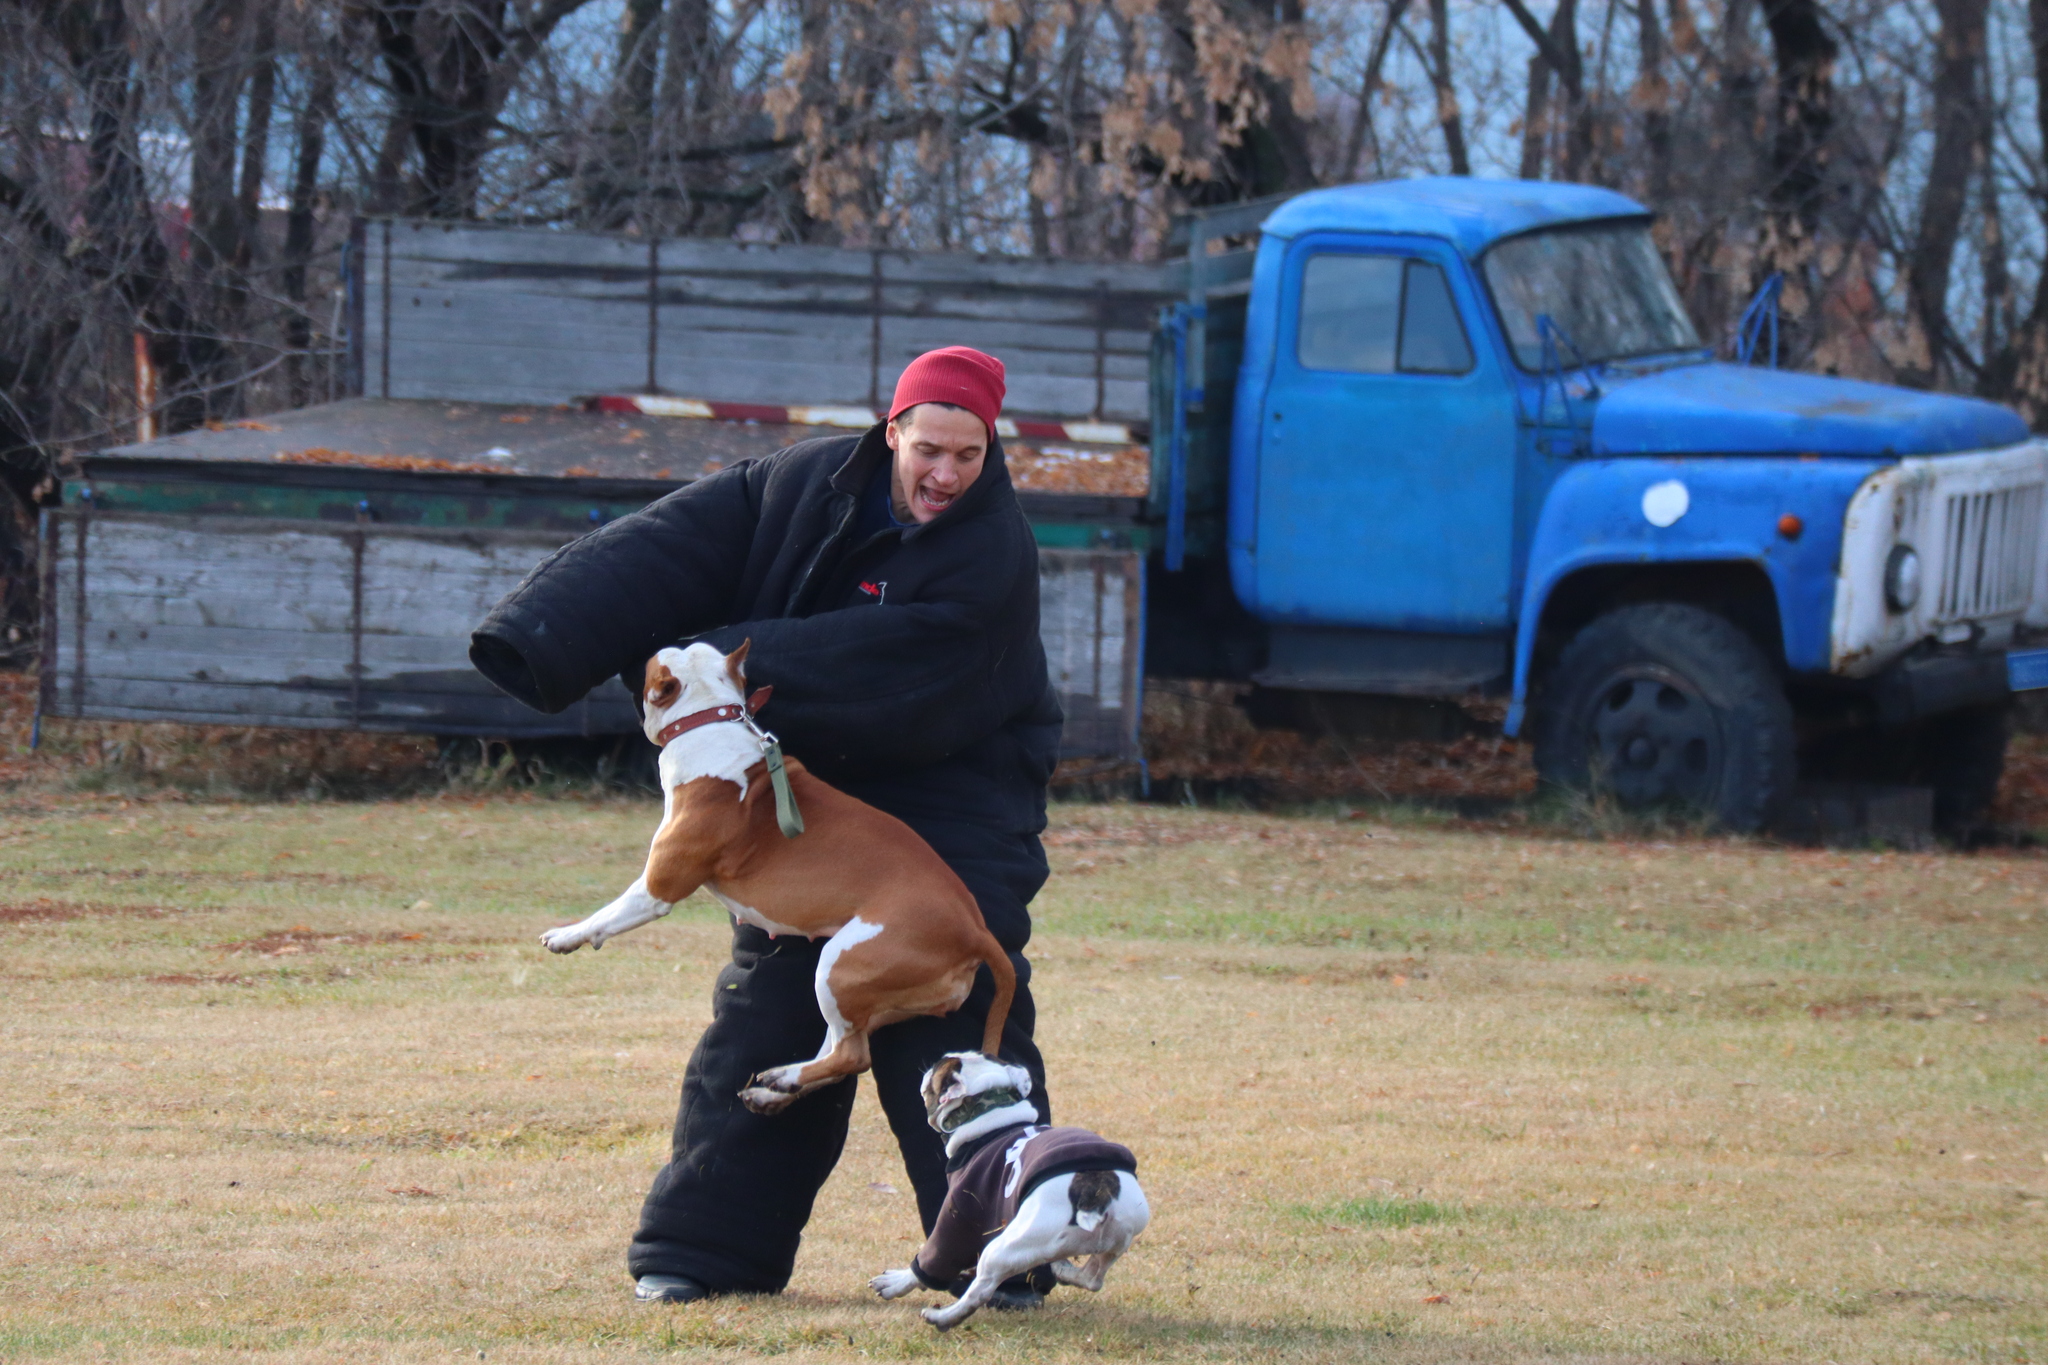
(1009, 1299)
(669, 1289)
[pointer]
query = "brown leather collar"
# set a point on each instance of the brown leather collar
(730, 711)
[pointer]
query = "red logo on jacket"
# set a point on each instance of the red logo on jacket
(876, 589)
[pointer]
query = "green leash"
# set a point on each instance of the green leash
(787, 816)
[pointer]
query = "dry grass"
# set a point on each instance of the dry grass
(295, 1083)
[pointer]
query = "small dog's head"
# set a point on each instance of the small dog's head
(965, 1085)
(682, 681)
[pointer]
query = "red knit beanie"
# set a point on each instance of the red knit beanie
(959, 375)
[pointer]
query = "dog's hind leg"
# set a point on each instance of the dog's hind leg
(845, 1050)
(845, 1054)
(1110, 1208)
(1088, 1275)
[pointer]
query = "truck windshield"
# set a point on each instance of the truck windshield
(1606, 286)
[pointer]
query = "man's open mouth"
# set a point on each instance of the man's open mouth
(934, 500)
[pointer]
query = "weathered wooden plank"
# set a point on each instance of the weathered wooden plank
(1116, 313)
(1021, 345)
(239, 654)
(159, 574)
(1030, 273)
(414, 279)
(746, 335)
(415, 587)
(701, 375)
(694, 256)
(804, 294)
(469, 317)
(470, 245)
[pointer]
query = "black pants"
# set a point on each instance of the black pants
(729, 1208)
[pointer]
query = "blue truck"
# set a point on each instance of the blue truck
(1439, 438)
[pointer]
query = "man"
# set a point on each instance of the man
(889, 583)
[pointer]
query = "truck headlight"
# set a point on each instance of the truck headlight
(1902, 578)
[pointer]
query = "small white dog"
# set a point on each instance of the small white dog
(1018, 1195)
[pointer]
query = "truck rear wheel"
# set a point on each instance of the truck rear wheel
(1668, 705)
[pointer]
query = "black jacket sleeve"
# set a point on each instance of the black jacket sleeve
(603, 604)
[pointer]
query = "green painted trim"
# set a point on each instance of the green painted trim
(1056, 535)
(457, 511)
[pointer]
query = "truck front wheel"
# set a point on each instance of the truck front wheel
(1668, 705)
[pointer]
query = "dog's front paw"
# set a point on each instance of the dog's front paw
(894, 1284)
(941, 1318)
(567, 939)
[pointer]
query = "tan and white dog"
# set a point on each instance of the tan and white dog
(903, 933)
(1018, 1195)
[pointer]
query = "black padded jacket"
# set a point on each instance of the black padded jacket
(907, 668)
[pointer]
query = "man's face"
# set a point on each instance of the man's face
(939, 454)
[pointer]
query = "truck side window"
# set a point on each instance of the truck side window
(1350, 313)
(1379, 315)
(1432, 339)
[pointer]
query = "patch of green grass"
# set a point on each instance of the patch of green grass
(1378, 1213)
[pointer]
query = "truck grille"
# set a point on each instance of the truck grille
(1988, 545)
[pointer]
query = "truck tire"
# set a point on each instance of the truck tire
(1668, 705)
(1960, 754)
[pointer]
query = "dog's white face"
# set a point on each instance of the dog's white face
(959, 1077)
(681, 682)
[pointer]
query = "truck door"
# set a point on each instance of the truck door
(1387, 444)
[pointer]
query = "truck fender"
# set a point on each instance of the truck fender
(1780, 516)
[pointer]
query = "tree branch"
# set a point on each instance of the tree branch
(1560, 61)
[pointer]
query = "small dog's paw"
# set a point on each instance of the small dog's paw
(938, 1317)
(894, 1284)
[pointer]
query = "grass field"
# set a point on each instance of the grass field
(294, 1082)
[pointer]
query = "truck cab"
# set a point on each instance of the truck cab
(1448, 437)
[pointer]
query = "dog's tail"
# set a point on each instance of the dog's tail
(998, 963)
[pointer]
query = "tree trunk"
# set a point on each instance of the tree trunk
(125, 245)
(1557, 48)
(440, 75)
(1653, 97)
(1536, 119)
(1441, 77)
(300, 226)
(1362, 127)
(1796, 189)
(2018, 373)
(620, 174)
(1273, 156)
(1958, 119)
(217, 76)
(256, 137)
